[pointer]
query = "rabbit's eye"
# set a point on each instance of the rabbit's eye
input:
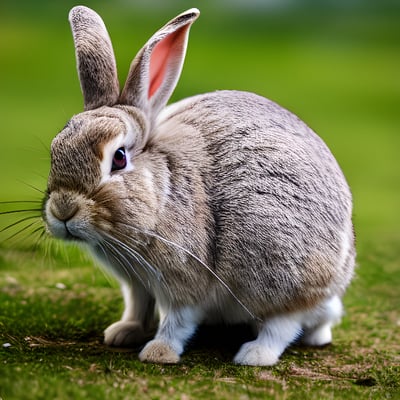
(119, 160)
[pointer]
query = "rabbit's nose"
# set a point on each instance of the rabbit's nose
(63, 206)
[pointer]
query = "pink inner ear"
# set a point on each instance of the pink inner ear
(163, 52)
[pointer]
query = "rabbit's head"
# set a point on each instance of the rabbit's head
(88, 189)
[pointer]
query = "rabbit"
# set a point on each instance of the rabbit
(221, 208)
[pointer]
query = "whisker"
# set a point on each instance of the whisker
(128, 267)
(213, 273)
(193, 256)
(43, 192)
(122, 260)
(45, 145)
(106, 256)
(19, 222)
(132, 240)
(21, 202)
(21, 230)
(40, 228)
(21, 211)
(116, 254)
(157, 274)
(103, 247)
(138, 258)
(144, 263)
(48, 244)
(41, 237)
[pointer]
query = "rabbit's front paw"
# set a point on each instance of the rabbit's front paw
(124, 334)
(159, 352)
(255, 354)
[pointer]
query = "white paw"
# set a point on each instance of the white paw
(255, 354)
(319, 336)
(159, 352)
(124, 334)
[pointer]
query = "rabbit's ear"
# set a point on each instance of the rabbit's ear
(155, 70)
(95, 58)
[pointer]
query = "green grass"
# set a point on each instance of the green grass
(339, 72)
(57, 352)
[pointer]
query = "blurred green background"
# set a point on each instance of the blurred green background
(334, 63)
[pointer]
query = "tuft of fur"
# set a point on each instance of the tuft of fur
(229, 207)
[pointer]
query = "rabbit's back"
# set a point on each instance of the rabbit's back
(281, 205)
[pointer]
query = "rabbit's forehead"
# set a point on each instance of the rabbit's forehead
(77, 151)
(90, 133)
(96, 131)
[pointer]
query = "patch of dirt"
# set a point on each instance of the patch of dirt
(311, 373)
(267, 375)
(38, 341)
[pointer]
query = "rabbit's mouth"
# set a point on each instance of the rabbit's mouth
(71, 231)
(67, 218)
(68, 230)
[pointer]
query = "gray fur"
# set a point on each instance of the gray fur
(95, 59)
(230, 209)
(268, 173)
